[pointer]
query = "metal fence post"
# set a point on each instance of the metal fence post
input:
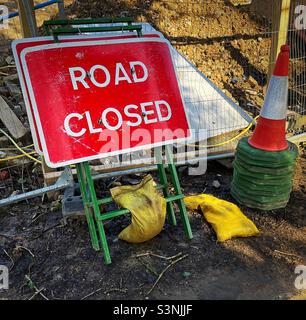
(61, 9)
(27, 18)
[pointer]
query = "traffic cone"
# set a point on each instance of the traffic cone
(264, 164)
(270, 131)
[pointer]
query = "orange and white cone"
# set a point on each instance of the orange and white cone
(270, 131)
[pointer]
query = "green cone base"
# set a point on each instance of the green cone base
(263, 179)
(264, 187)
(254, 204)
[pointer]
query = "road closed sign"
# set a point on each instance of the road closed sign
(19, 45)
(96, 99)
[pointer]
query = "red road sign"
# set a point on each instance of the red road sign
(102, 98)
(20, 44)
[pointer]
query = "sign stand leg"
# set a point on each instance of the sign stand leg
(91, 203)
(178, 190)
(88, 210)
(164, 183)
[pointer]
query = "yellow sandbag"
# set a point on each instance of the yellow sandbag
(226, 218)
(148, 209)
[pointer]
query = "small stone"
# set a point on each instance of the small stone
(130, 180)
(116, 184)
(15, 193)
(55, 205)
(216, 184)
(18, 110)
(13, 88)
(242, 45)
(252, 81)
(4, 91)
(11, 77)
(250, 105)
(4, 174)
(9, 60)
(2, 155)
(22, 105)
(251, 92)
(182, 169)
(234, 80)
(21, 180)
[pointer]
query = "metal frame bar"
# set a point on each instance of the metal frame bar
(64, 181)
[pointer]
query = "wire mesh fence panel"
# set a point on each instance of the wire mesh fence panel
(297, 80)
(225, 43)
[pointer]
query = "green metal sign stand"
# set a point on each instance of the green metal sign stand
(92, 204)
(76, 22)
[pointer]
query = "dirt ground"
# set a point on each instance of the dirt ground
(59, 259)
(231, 46)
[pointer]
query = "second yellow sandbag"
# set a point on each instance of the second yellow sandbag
(225, 217)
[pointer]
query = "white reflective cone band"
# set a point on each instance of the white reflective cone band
(275, 105)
